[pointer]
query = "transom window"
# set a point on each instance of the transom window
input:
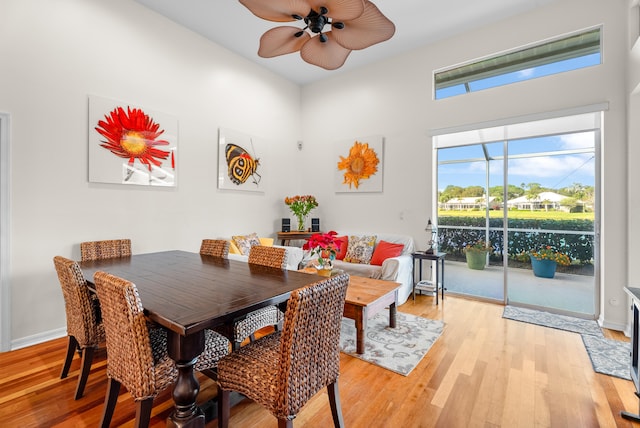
(564, 54)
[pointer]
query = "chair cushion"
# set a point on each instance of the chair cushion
(360, 249)
(385, 250)
(245, 242)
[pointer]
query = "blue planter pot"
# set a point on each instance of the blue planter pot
(543, 268)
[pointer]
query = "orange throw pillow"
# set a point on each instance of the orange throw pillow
(343, 247)
(385, 250)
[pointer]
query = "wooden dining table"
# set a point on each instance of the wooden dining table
(187, 293)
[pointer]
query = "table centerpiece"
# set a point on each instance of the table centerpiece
(325, 246)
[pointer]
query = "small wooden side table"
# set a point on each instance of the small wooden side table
(439, 259)
(285, 237)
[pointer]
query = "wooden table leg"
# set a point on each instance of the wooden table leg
(392, 315)
(361, 326)
(184, 350)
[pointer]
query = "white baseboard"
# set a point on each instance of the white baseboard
(38, 338)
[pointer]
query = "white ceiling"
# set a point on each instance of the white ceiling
(418, 23)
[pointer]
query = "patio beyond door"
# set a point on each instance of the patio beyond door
(519, 202)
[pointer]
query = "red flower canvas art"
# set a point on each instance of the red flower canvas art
(131, 145)
(133, 135)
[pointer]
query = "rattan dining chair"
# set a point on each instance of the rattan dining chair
(269, 315)
(215, 248)
(98, 250)
(282, 371)
(84, 328)
(137, 351)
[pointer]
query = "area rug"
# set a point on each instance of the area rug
(546, 319)
(397, 349)
(610, 357)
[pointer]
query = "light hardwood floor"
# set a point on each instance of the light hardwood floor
(484, 371)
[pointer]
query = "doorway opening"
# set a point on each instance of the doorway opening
(513, 194)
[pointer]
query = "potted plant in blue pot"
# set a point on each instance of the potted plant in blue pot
(476, 254)
(545, 261)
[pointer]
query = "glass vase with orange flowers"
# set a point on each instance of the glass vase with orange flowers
(301, 206)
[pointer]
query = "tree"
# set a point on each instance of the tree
(570, 203)
(473, 191)
(533, 191)
(513, 192)
(450, 192)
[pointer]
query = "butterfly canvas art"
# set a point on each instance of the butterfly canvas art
(241, 161)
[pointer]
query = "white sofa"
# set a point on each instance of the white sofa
(398, 269)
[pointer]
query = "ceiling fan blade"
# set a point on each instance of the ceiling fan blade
(341, 10)
(328, 55)
(281, 41)
(368, 29)
(277, 10)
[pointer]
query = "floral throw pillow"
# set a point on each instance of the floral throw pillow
(360, 249)
(245, 242)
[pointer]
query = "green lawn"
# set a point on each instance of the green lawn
(518, 214)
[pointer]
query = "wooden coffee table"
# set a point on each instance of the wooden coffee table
(365, 298)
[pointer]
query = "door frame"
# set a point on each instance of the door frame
(5, 294)
(598, 110)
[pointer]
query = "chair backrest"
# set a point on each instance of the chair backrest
(82, 321)
(129, 355)
(268, 256)
(215, 248)
(310, 342)
(98, 250)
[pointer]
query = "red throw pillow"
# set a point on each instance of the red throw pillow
(343, 247)
(385, 250)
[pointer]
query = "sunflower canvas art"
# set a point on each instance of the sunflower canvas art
(131, 145)
(359, 165)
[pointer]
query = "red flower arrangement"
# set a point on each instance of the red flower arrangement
(325, 246)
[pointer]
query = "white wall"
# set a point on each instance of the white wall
(395, 99)
(54, 54)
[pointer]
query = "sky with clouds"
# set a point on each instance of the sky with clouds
(542, 160)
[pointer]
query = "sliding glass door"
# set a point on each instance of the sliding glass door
(469, 216)
(517, 202)
(553, 221)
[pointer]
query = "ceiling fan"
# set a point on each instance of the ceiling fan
(353, 25)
